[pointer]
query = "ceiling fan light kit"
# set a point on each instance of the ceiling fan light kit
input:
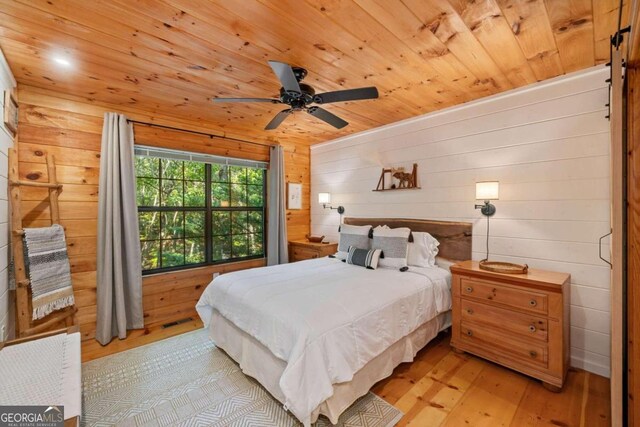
(299, 96)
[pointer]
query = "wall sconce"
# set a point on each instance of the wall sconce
(487, 191)
(325, 198)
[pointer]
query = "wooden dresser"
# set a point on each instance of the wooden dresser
(300, 250)
(520, 321)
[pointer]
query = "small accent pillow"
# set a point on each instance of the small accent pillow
(394, 243)
(423, 250)
(364, 258)
(352, 235)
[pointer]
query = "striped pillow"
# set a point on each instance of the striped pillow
(394, 243)
(353, 235)
(363, 257)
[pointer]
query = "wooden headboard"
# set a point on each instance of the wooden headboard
(454, 237)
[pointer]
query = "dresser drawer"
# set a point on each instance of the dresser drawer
(530, 352)
(499, 294)
(299, 253)
(525, 325)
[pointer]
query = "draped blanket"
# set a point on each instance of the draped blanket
(49, 271)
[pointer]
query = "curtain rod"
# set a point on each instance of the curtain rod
(210, 135)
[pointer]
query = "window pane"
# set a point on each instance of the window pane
(221, 248)
(172, 253)
(255, 176)
(194, 171)
(194, 193)
(180, 236)
(238, 195)
(221, 223)
(147, 167)
(255, 244)
(171, 192)
(220, 195)
(238, 222)
(255, 222)
(150, 253)
(238, 174)
(240, 246)
(194, 224)
(254, 195)
(172, 169)
(172, 226)
(219, 173)
(147, 192)
(149, 225)
(194, 249)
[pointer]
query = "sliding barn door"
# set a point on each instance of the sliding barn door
(618, 159)
(633, 248)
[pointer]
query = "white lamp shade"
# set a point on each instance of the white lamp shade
(487, 190)
(324, 198)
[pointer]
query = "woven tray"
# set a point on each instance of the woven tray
(504, 267)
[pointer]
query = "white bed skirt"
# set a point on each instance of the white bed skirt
(258, 362)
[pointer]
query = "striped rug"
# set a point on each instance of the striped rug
(187, 381)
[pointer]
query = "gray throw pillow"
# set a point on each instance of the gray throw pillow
(363, 257)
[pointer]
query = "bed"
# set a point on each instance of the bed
(318, 334)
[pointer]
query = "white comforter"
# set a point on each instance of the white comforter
(326, 319)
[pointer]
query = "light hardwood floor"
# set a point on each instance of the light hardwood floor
(442, 388)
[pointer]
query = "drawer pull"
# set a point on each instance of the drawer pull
(469, 333)
(533, 303)
(469, 311)
(533, 354)
(469, 289)
(532, 328)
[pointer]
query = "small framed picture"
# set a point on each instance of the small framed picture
(294, 195)
(10, 112)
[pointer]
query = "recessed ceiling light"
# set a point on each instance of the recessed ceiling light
(62, 61)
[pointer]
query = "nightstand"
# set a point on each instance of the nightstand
(520, 321)
(302, 249)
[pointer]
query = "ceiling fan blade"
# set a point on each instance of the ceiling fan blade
(328, 117)
(279, 118)
(273, 101)
(284, 72)
(346, 95)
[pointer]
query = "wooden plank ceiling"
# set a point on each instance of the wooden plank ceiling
(169, 57)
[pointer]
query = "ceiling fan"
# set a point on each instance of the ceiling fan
(298, 96)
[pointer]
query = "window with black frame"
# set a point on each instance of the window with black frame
(194, 213)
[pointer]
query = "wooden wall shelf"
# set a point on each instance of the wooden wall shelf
(403, 188)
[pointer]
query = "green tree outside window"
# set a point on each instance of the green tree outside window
(192, 213)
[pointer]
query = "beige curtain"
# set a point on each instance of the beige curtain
(277, 252)
(119, 287)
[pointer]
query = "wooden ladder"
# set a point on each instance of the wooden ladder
(25, 324)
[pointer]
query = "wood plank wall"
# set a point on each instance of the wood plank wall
(547, 145)
(71, 130)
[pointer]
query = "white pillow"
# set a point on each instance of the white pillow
(423, 250)
(394, 243)
(353, 235)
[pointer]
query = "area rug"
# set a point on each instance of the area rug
(187, 381)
